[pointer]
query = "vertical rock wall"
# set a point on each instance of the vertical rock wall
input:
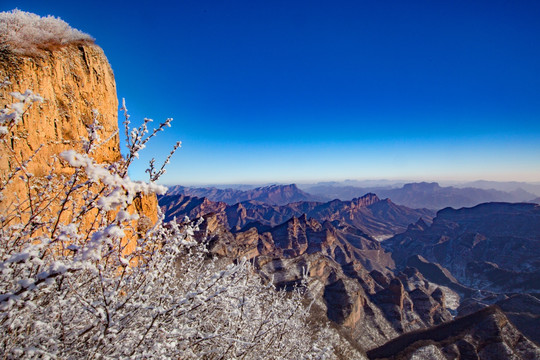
(75, 81)
(78, 85)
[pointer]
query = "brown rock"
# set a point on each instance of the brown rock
(78, 86)
(75, 81)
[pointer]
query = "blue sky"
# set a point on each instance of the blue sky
(305, 91)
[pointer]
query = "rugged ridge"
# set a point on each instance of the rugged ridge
(484, 335)
(376, 217)
(426, 195)
(272, 195)
(351, 276)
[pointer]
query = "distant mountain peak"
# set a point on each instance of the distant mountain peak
(366, 200)
(271, 194)
(422, 186)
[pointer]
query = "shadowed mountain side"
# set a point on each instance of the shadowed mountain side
(370, 214)
(426, 195)
(438, 275)
(272, 195)
(492, 249)
(522, 309)
(380, 218)
(484, 335)
(492, 246)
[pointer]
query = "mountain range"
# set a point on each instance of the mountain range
(426, 195)
(500, 239)
(413, 195)
(272, 194)
(375, 297)
(350, 275)
(459, 283)
(376, 217)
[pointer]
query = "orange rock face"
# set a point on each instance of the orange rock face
(77, 84)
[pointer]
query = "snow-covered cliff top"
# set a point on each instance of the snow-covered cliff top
(27, 34)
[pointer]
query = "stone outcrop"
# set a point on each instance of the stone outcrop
(77, 84)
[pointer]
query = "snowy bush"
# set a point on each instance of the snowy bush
(26, 33)
(70, 290)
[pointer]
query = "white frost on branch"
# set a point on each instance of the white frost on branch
(11, 115)
(124, 190)
(71, 290)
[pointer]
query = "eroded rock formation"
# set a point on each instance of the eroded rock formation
(350, 276)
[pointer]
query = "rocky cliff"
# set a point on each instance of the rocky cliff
(77, 84)
(78, 87)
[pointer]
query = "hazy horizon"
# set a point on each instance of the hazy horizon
(293, 91)
(347, 181)
(367, 183)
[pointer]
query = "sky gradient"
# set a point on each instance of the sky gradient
(306, 91)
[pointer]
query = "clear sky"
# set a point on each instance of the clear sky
(299, 91)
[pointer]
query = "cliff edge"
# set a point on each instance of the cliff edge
(76, 81)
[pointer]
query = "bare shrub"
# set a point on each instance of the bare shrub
(25, 33)
(70, 290)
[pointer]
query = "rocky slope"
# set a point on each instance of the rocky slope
(483, 335)
(523, 310)
(349, 274)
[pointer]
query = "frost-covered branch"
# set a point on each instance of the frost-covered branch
(69, 287)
